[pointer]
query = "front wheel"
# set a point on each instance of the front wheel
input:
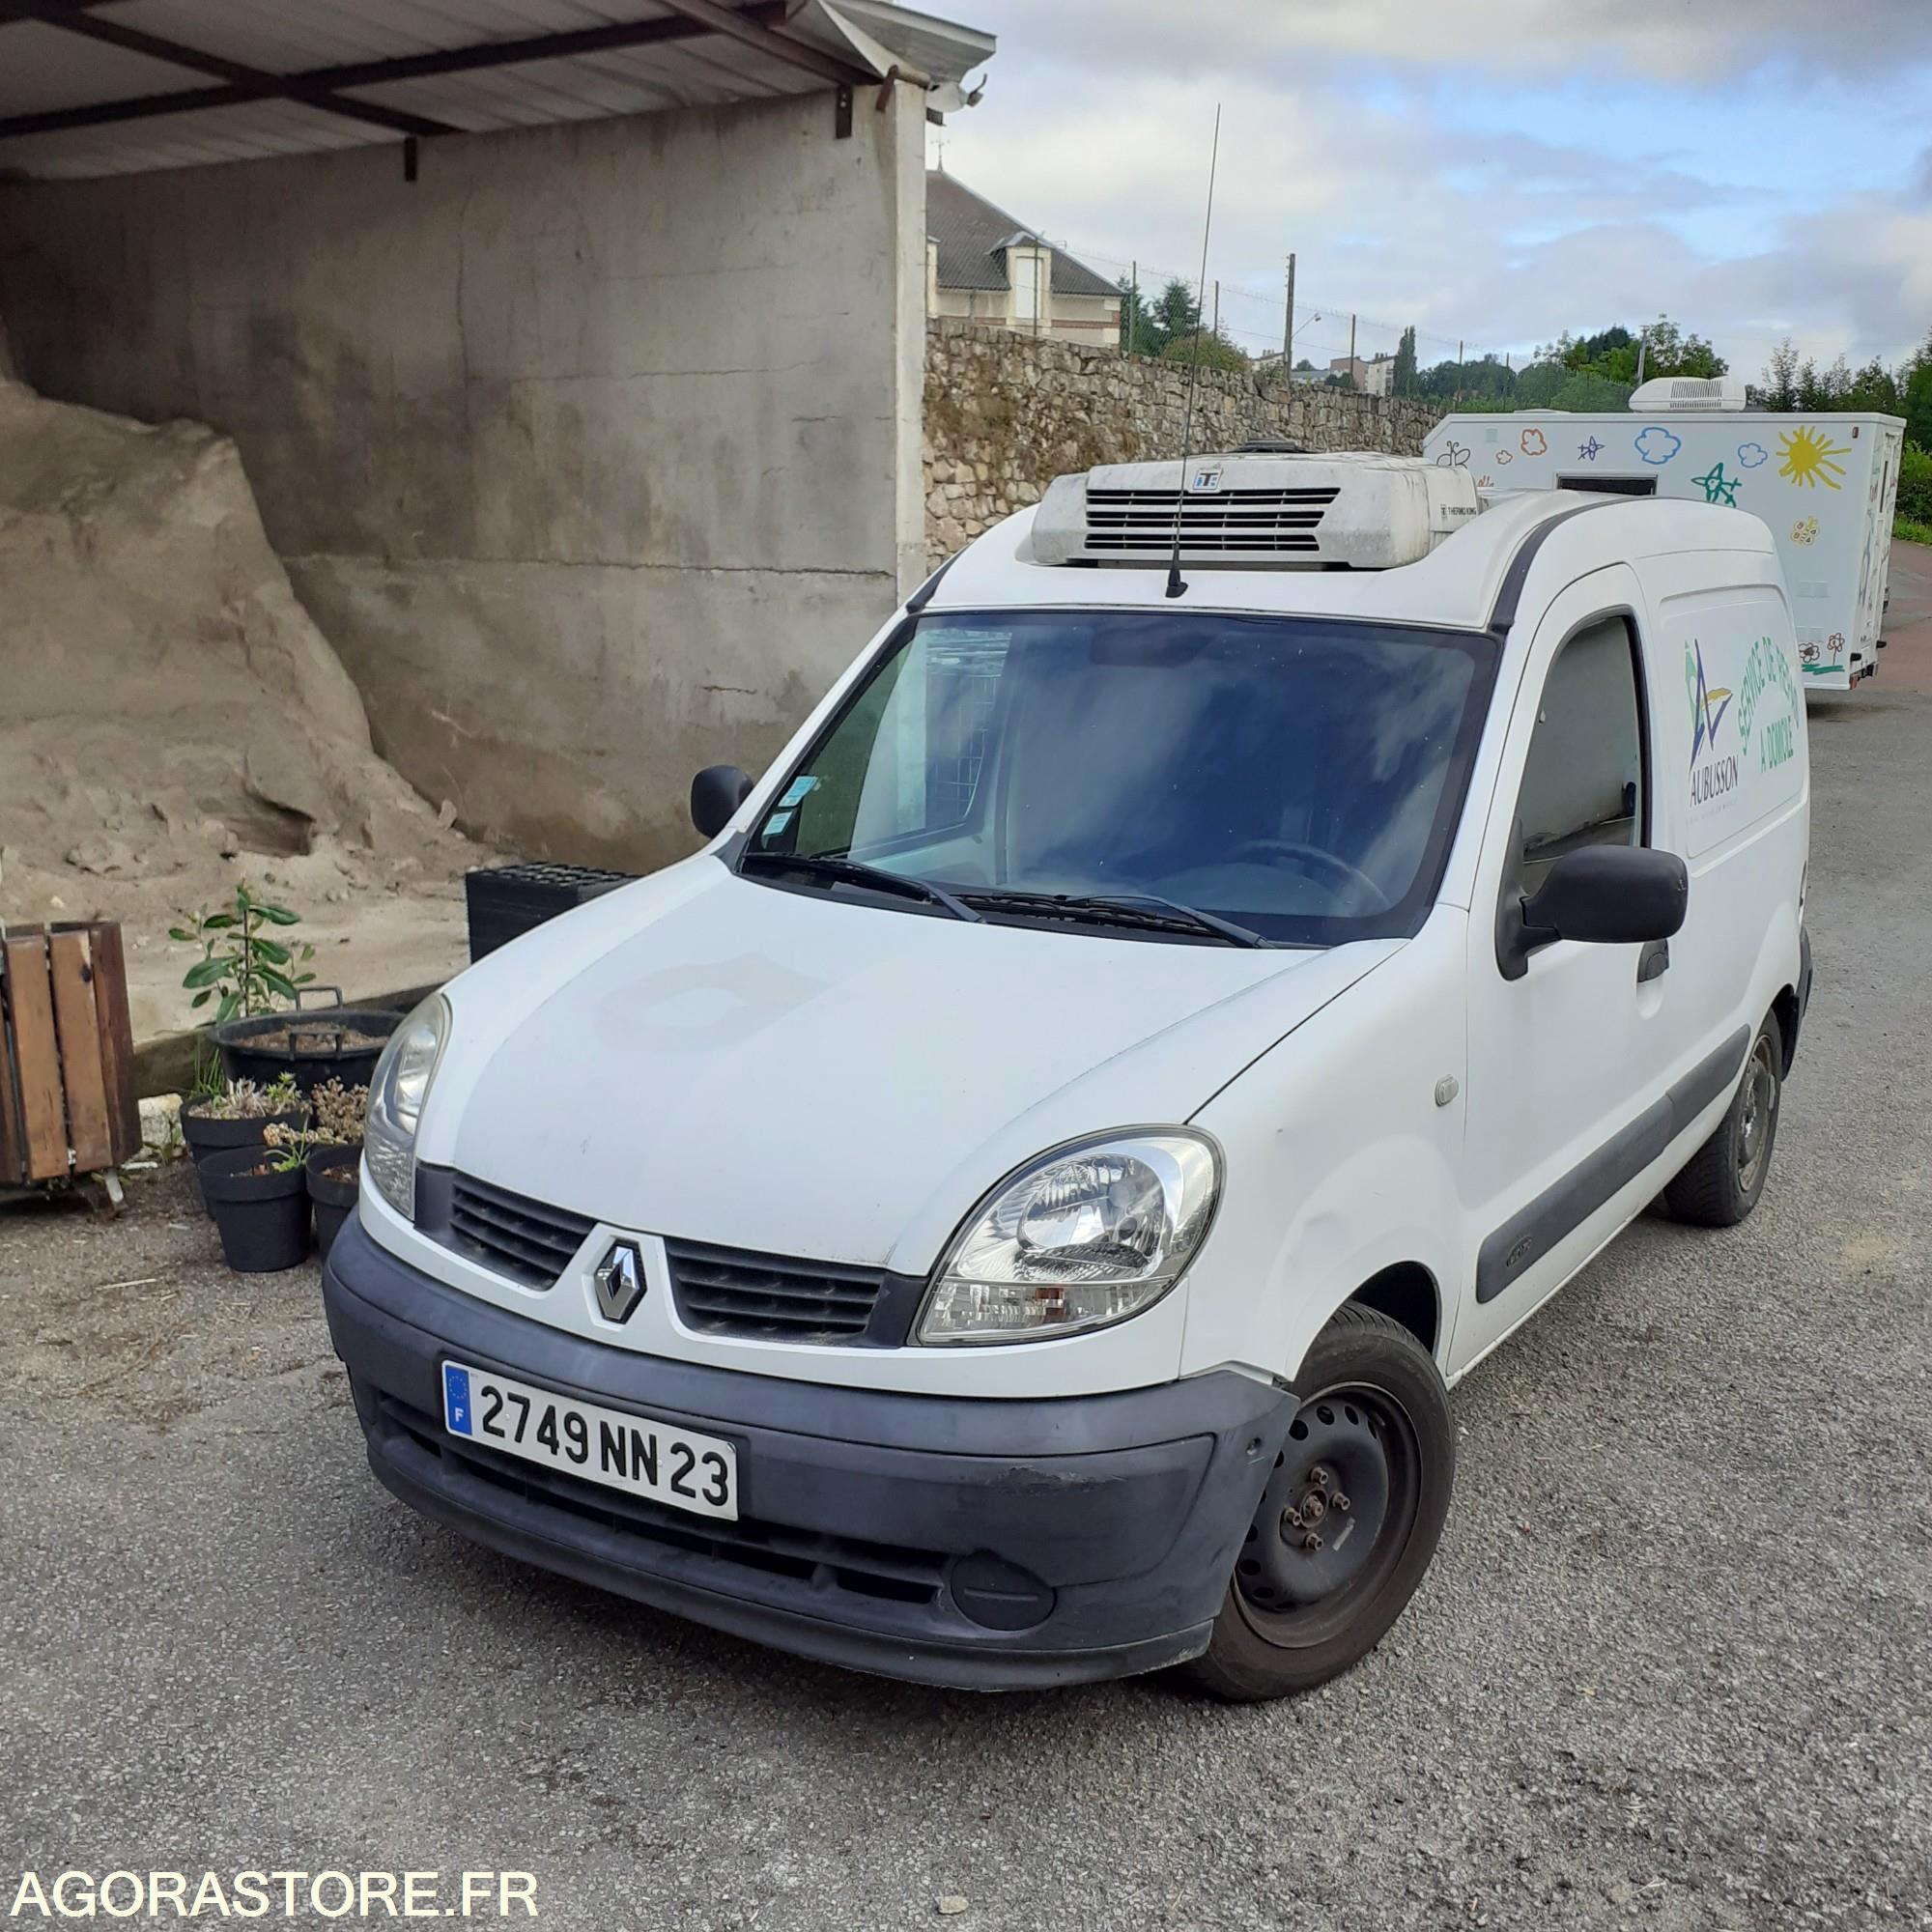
(1350, 1518)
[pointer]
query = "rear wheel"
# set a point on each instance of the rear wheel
(1350, 1518)
(1724, 1177)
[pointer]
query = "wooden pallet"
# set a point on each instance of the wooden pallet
(66, 1053)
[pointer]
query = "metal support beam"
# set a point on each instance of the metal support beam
(27, 9)
(360, 73)
(722, 19)
(74, 17)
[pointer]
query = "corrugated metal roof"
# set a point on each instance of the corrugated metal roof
(179, 113)
(973, 237)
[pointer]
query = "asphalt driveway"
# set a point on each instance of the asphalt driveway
(1673, 1664)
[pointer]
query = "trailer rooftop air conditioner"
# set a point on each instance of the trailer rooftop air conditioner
(1689, 392)
(1255, 511)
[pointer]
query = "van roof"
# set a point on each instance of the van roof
(1469, 582)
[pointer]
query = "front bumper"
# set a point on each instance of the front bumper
(986, 1544)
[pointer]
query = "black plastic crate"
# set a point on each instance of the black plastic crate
(506, 901)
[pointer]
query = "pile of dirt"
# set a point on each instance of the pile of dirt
(171, 720)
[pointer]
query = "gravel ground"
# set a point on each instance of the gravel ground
(1671, 1666)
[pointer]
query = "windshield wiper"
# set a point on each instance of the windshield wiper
(1170, 913)
(1208, 922)
(855, 872)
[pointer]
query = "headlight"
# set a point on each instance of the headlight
(1087, 1235)
(396, 1096)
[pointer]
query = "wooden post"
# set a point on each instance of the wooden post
(30, 1017)
(117, 1040)
(71, 973)
(1288, 328)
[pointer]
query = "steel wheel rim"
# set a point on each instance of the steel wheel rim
(1294, 1595)
(1758, 1117)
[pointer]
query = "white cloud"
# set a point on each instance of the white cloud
(1096, 128)
(1665, 39)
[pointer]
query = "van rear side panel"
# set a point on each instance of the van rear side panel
(1734, 750)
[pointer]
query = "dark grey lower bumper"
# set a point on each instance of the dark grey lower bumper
(985, 1544)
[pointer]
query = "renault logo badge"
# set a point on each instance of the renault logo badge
(621, 1281)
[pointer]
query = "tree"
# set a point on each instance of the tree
(1216, 351)
(1402, 381)
(1778, 390)
(1914, 400)
(1488, 379)
(1873, 387)
(1146, 327)
(1611, 354)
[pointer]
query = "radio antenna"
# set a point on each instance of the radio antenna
(1175, 585)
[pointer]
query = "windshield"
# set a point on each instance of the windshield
(1297, 777)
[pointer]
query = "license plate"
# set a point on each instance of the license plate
(621, 1451)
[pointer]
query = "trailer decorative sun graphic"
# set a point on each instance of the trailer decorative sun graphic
(1806, 458)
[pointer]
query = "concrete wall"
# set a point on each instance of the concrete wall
(1007, 413)
(594, 450)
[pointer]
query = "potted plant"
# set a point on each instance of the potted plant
(332, 1155)
(259, 1198)
(222, 1115)
(256, 977)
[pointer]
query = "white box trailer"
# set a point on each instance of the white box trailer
(1824, 483)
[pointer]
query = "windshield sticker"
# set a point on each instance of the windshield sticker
(776, 823)
(795, 793)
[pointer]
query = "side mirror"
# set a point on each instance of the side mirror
(1601, 895)
(715, 793)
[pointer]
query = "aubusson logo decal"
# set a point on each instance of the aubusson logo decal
(1717, 774)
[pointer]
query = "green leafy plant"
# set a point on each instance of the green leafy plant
(242, 966)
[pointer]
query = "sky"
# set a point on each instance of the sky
(1491, 171)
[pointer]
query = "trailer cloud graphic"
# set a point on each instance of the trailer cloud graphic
(1657, 445)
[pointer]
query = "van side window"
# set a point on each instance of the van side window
(1584, 784)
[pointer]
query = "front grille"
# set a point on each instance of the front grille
(768, 1298)
(1278, 521)
(527, 1240)
(881, 1571)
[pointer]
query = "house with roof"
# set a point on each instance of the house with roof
(983, 264)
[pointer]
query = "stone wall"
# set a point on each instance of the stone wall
(1006, 413)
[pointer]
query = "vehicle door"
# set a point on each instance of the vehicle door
(1565, 1060)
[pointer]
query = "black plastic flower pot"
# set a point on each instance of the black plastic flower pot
(260, 1212)
(331, 1169)
(315, 1045)
(205, 1134)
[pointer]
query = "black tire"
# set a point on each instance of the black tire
(1374, 1416)
(1723, 1180)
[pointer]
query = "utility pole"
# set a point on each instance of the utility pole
(1352, 352)
(1288, 328)
(1216, 329)
(1132, 343)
